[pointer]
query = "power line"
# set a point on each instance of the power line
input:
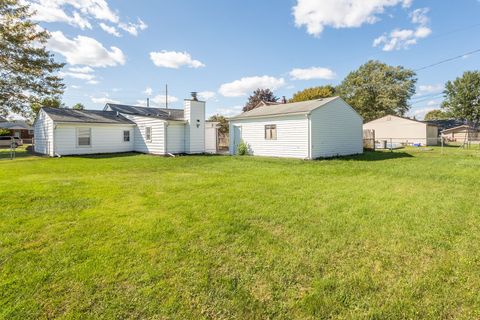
(447, 60)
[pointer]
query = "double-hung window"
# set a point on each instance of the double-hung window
(126, 136)
(84, 137)
(271, 132)
(148, 134)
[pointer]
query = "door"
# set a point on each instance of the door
(237, 137)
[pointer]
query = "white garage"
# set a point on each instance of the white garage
(312, 129)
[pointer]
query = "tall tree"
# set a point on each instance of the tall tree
(223, 123)
(78, 106)
(437, 115)
(462, 97)
(313, 93)
(377, 89)
(47, 102)
(27, 69)
(259, 95)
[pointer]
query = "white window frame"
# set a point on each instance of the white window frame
(78, 136)
(270, 132)
(148, 134)
(129, 136)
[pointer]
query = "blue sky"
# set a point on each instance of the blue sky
(126, 51)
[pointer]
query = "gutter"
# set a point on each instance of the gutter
(271, 115)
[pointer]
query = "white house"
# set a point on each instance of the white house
(122, 128)
(399, 130)
(310, 129)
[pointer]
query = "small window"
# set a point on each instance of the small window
(84, 137)
(271, 132)
(126, 135)
(148, 134)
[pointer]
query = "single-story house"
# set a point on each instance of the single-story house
(312, 129)
(122, 128)
(400, 130)
(18, 128)
(463, 133)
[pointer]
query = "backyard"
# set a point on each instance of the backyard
(383, 235)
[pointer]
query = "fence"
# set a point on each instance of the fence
(8, 149)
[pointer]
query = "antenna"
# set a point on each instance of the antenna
(166, 96)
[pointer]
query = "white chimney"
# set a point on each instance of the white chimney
(194, 114)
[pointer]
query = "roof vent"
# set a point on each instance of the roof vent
(194, 95)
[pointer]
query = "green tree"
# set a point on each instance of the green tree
(48, 103)
(78, 106)
(377, 89)
(313, 93)
(4, 132)
(437, 115)
(462, 97)
(223, 123)
(259, 95)
(27, 69)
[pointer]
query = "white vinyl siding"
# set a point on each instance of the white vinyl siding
(43, 134)
(292, 136)
(156, 144)
(336, 130)
(104, 138)
(176, 137)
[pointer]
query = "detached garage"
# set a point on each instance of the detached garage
(312, 129)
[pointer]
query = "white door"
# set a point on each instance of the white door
(237, 137)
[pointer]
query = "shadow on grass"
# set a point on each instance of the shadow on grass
(374, 156)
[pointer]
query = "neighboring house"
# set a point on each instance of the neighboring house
(400, 130)
(310, 129)
(122, 128)
(18, 128)
(463, 133)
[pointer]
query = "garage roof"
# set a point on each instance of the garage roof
(86, 116)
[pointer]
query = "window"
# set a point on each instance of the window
(148, 133)
(84, 137)
(126, 135)
(271, 132)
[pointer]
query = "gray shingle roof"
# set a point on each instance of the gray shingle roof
(160, 113)
(17, 124)
(285, 108)
(87, 116)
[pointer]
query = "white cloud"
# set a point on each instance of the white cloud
(247, 85)
(148, 91)
(103, 100)
(85, 51)
(81, 76)
(174, 60)
(158, 101)
(315, 15)
(110, 29)
(133, 28)
(74, 86)
(48, 11)
(429, 88)
(419, 114)
(227, 112)
(312, 73)
(81, 69)
(404, 38)
(206, 95)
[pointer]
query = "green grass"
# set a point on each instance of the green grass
(378, 236)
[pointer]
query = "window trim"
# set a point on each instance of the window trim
(272, 130)
(146, 136)
(129, 136)
(78, 136)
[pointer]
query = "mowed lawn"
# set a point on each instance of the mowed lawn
(383, 236)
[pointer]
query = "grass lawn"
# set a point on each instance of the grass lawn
(383, 235)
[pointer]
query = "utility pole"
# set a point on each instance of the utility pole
(166, 96)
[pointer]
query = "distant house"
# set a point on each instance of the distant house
(310, 129)
(463, 133)
(400, 130)
(18, 128)
(122, 128)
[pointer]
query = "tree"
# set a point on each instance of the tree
(259, 95)
(27, 69)
(48, 103)
(313, 93)
(437, 115)
(223, 130)
(78, 106)
(462, 97)
(377, 89)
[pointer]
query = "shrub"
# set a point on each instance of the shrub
(242, 149)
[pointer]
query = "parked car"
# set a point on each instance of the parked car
(6, 141)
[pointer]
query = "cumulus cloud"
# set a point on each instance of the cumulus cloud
(103, 100)
(148, 91)
(109, 29)
(429, 88)
(133, 28)
(158, 101)
(316, 15)
(312, 73)
(174, 60)
(247, 85)
(206, 95)
(82, 73)
(227, 112)
(83, 50)
(404, 38)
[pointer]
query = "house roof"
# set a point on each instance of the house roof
(463, 126)
(86, 116)
(405, 118)
(285, 108)
(15, 125)
(160, 113)
(447, 123)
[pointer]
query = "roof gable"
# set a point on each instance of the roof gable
(160, 113)
(86, 116)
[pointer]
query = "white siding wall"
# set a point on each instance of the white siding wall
(292, 136)
(336, 130)
(211, 137)
(104, 139)
(43, 134)
(194, 135)
(157, 144)
(175, 137)
(398, 129)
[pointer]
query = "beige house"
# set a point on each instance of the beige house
(399, 130)
(461, 133)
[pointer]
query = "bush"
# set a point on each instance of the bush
(242, 149)
(4, 132)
